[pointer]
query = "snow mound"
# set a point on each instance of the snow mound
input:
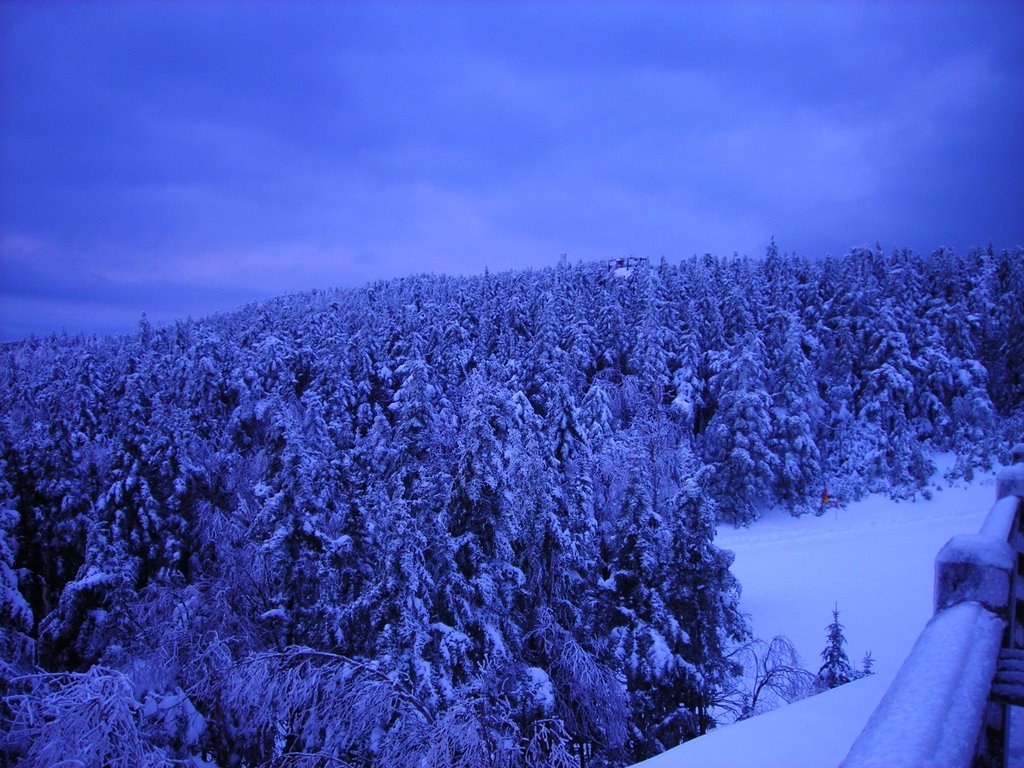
(810, 733)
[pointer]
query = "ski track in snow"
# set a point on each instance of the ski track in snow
(875, 560)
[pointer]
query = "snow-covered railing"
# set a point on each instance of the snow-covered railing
(948, 703)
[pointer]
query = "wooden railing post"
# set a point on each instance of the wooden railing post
(1010, 480)
(975, 567)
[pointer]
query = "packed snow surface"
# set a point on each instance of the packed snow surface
(807, 733)
(875, 559)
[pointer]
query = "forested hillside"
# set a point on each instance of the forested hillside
(458, 521)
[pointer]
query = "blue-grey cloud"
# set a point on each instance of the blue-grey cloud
(153, 153)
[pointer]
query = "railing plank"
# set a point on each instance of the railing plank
(1000, 519)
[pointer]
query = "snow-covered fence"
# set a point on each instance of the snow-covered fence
(948, 703)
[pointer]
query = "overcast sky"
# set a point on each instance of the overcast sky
(182, 158)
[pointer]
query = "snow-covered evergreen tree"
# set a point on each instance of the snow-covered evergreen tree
(737, 442)
(795, 413)
(702, 596)
(835, 667)
(16, 620)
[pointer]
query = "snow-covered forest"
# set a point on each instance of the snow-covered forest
(449, 521)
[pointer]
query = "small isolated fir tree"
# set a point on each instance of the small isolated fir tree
(867, 665)
(835, 669)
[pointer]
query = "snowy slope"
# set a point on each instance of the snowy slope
(875, 558)
(814, 732)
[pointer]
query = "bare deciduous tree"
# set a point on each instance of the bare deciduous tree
(772, 676)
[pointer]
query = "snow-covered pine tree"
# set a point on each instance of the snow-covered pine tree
(688, 385)
(867, 664)
(292, 532)
(835, 668)
(483, 526)
(702, 597)
(737, 441)
(884, 399)
(16, 620)
(634, 613)
(1004, 331)
(796, 411)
